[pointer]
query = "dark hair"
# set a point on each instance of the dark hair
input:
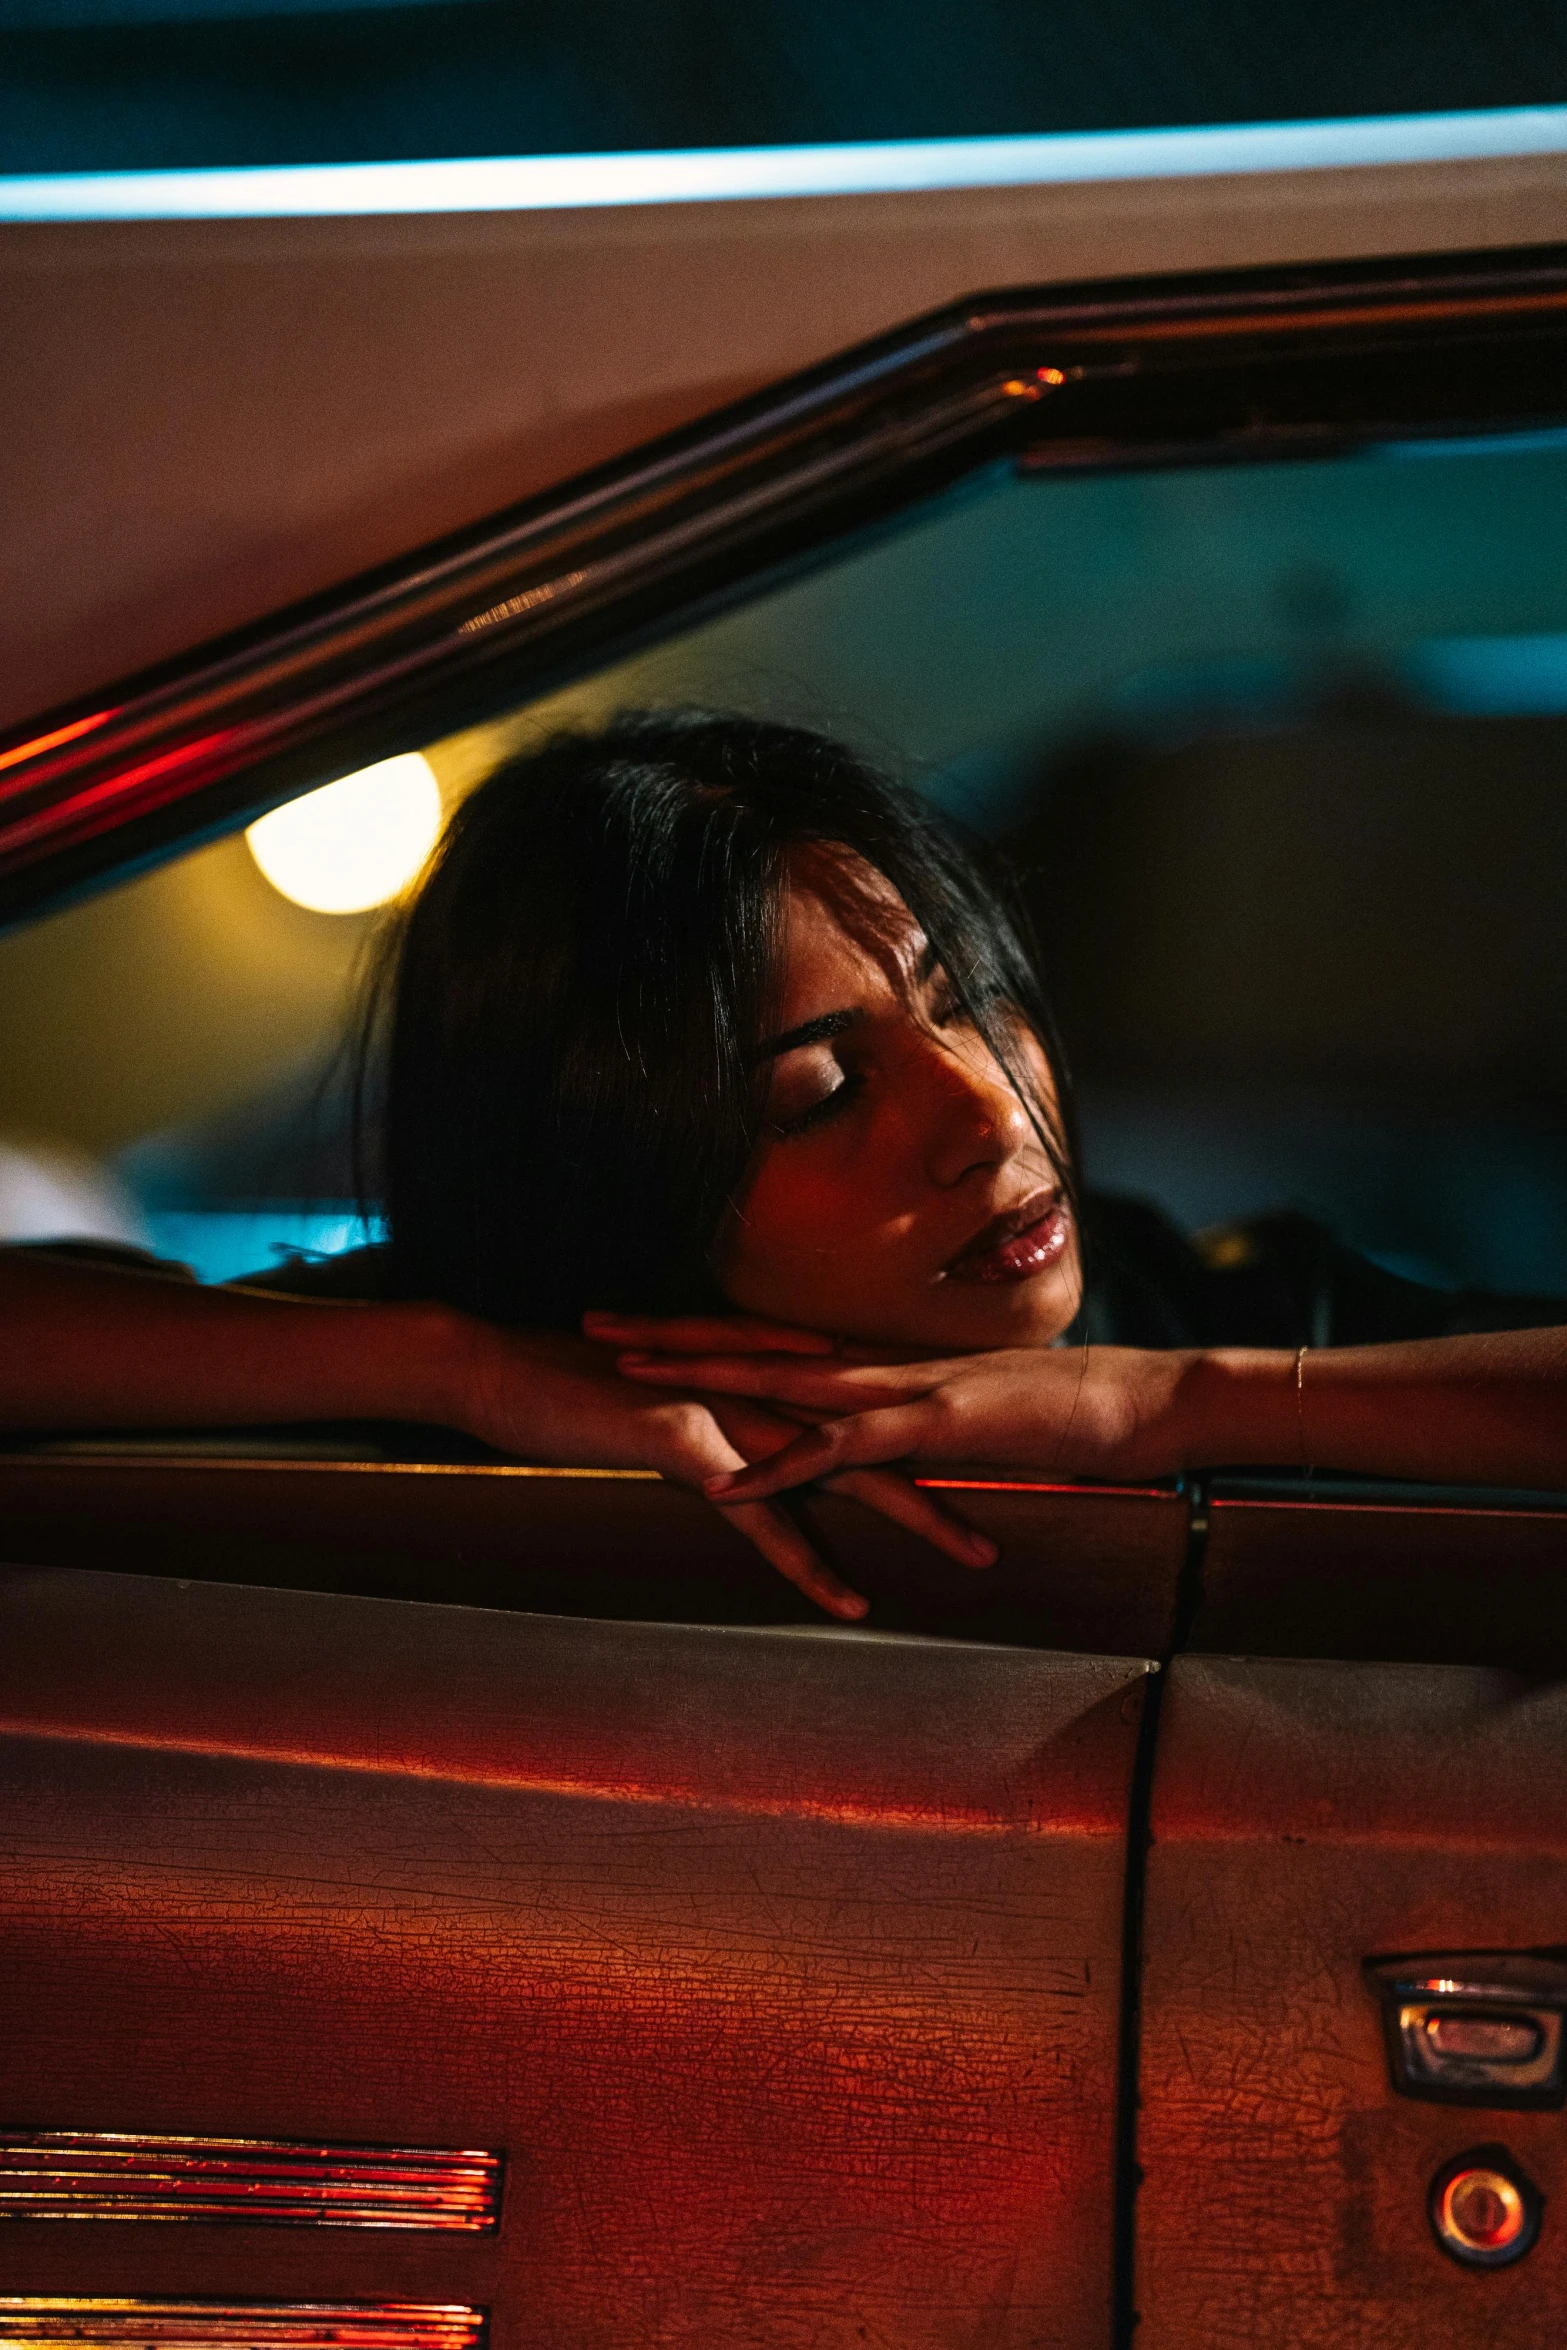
(572, 1004)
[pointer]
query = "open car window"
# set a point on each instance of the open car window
(1231, 607)
(1276, 744)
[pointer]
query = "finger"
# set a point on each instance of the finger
(753, 1429)
(782, 1544)
(757, 1433)
(775, 1422)
(892, 1496)
(815, 1386)
(705, 1334)
(865, 1350)
(864, 1441)
(696, 1458)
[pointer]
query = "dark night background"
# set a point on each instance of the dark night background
(111, 85)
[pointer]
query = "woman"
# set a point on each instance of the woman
(704, 1043)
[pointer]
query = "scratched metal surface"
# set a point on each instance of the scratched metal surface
(1307, 1816)
(782, 1966)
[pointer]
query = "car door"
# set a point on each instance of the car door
(1352, 1978)
(393, 1973)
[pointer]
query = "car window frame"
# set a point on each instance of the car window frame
(1228, 366)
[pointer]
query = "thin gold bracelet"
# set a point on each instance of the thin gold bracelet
(1301, 1353)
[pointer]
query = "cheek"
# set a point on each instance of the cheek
(805, 1224)
(793, 1208)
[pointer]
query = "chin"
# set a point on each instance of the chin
(975, 1320)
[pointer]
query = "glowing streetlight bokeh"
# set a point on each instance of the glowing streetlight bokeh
(355, 843)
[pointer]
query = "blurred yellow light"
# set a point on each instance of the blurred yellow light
(354, 843)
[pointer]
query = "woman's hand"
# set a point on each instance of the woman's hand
(1096, 1411)
(708, 1334)
(86, 1347)
(1487, 1408)
(562, 1398)
(738, 1334)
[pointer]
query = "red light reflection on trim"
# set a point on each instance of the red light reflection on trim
(65, 2174)
(922, 1815)
(49, 742)
(1040, 1485)
(64, 816)
(58, 2322)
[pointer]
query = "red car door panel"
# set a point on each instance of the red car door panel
(1308, 1817)
(781, 1969)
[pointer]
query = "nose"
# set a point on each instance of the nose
(975, 1119)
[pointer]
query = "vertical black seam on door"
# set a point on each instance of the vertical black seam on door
(1128, 2101)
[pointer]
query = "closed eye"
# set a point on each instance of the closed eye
(821, 1113)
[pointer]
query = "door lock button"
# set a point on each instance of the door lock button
(1484, 2211)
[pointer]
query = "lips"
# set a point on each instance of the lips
(1016, 1246)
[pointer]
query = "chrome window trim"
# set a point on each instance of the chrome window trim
(1244, 364)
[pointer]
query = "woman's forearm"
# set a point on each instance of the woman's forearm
(83, 1348)
(88, 1349)
(1488, 1409)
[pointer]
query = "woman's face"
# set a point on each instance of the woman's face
(899, 1192)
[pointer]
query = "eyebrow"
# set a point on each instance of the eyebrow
(809, 1032)
(834, 1023)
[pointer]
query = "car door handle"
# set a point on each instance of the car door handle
(1474, 2027)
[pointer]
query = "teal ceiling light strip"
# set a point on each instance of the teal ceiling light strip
(718, 175)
